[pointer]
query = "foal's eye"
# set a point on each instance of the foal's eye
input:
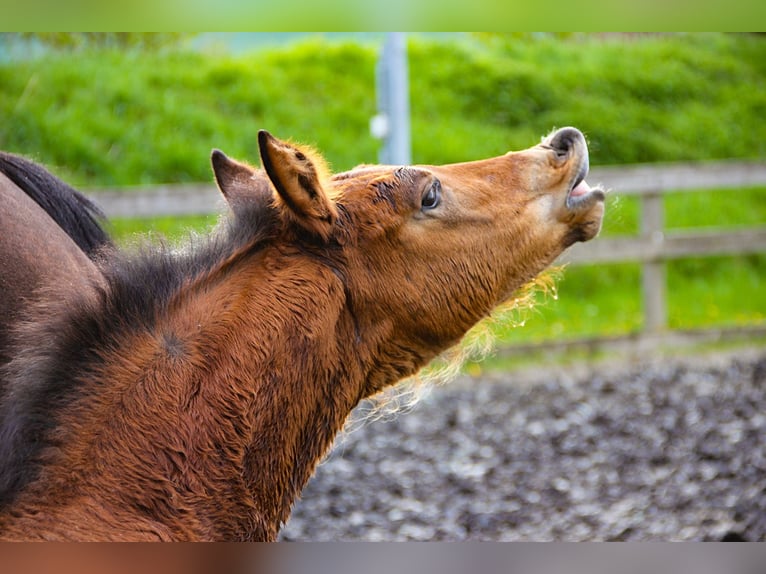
(433, 196)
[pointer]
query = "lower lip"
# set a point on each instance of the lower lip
(583, 196)
(580, 189)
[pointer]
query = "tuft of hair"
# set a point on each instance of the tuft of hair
(321, 166)
(476, 345)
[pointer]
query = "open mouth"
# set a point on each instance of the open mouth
(581, 195)
(569, 142)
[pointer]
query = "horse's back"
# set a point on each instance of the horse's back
(34, 252)
(74, 213)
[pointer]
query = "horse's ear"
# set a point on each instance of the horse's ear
(297, 175)
(242, 186)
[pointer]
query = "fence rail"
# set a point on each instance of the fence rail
(649, 179)
(652, 247)
(158, 200)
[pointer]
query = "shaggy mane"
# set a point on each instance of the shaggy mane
(44, 378)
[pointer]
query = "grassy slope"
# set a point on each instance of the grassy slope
(113, 118)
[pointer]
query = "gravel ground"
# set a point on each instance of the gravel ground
(669, 449)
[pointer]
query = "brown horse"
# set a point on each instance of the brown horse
(49, 233)
(192, 397)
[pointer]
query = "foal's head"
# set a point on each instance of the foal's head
(424, 251)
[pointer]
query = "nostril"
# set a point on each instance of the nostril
(565, 139)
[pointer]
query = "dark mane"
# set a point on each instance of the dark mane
(139, 286)
(77, 215)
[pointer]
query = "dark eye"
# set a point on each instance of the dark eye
(433, 196)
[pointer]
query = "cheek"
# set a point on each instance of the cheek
(544, 215)
(543, 209)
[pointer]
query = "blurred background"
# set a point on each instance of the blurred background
(112, 111)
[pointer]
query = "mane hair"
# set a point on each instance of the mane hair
(77, 215)
(139, 286)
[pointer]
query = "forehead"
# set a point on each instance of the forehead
(372, 176)
(366, 173)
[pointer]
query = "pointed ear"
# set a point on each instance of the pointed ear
(242, 186)
(297, 177)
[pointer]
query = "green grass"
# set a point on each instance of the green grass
(111, 118)
(590, 301)
(720, 291)
(107, 117)
(725, 208)
(606, 300)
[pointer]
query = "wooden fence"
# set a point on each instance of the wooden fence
(652, 247)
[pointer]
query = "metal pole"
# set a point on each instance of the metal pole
(392, 124)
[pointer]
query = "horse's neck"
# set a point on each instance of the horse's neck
(208, 422)
(304, 390)
(238, 393)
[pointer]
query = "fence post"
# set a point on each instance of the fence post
(653, 280)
